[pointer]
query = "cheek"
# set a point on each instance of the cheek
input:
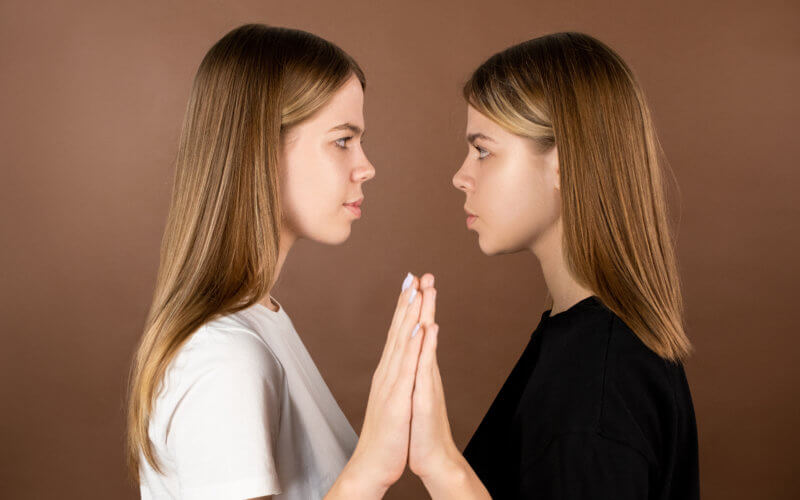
(314, 188)
(518, 207)
(329, 186)
(505, 195)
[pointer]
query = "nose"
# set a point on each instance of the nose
(462, 181)
(364, 172)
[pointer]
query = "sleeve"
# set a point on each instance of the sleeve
(586, 465)
(223, 431)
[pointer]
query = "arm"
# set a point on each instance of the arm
(576, 465)
(381, 454)
(228, 406)
(433, 455)
(232, 410)
(586, 464)
(455, 480)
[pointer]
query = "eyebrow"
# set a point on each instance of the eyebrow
(348, 126)
(471, 137)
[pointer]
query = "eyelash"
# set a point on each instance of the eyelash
(480, 152)
(345, 139)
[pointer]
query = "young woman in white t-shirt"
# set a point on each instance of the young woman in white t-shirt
(225, 401)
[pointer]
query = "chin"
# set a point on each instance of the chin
(486, 246)
(491, 248)
(334, 237)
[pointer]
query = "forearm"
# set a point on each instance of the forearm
(455, 481)
(352, 483)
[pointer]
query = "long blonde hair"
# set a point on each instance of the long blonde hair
(220, 244)
(571, 91)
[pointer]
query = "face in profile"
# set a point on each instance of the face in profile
(512, 189)
(322, 169)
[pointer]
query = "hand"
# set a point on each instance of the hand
(381, 454)
(432, 450)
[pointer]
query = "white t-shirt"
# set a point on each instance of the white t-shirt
(245, 413)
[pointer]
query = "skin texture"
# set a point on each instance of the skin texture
(381, 454)
(509, 186)
(320, 169)
(322, 166)
(514, 190)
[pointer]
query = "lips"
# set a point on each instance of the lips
(354, 207)
(470, 218)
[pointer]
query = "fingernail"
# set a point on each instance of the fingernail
(413, 294)
(414, 331)
(407, 282)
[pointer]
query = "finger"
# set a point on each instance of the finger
(427, 315)
(408, 330)
(410, 319)
(400, 311)
(404, 301)
(427, 356)
(408, 364)
(407, 290)
(409, 327)
(438, 387)
(407, 282)
(426, 280)
(411, 289)
(424, 384)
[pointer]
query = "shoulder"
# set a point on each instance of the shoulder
(630, 363)
(640, 402)
(223, 373)
(596, 375)
(229, 345)
(564, 391)
(604, 351)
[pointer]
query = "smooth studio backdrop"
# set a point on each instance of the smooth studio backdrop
(91, 98)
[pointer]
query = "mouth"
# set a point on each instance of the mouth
(470, 218)
(354, 207)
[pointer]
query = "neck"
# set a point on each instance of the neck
(563, 287)
(287, 240)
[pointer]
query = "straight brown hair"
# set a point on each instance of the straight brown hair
(220, 244)
(571, 91)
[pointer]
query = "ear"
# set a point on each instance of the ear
(552, 160)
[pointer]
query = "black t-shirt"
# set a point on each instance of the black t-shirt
(589, 412)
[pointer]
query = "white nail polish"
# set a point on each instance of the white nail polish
(414, 331)
(407, 282)
(413, 294)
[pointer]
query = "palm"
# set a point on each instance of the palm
(431, 438)
(421, 445)
(382, 450)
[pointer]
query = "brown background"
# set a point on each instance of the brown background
(91, 99)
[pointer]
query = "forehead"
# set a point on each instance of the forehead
(346, 105)
(477, 122)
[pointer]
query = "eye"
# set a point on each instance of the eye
(342, 143)
(482, 153)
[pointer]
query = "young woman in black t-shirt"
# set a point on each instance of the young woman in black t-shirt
(564, 162)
